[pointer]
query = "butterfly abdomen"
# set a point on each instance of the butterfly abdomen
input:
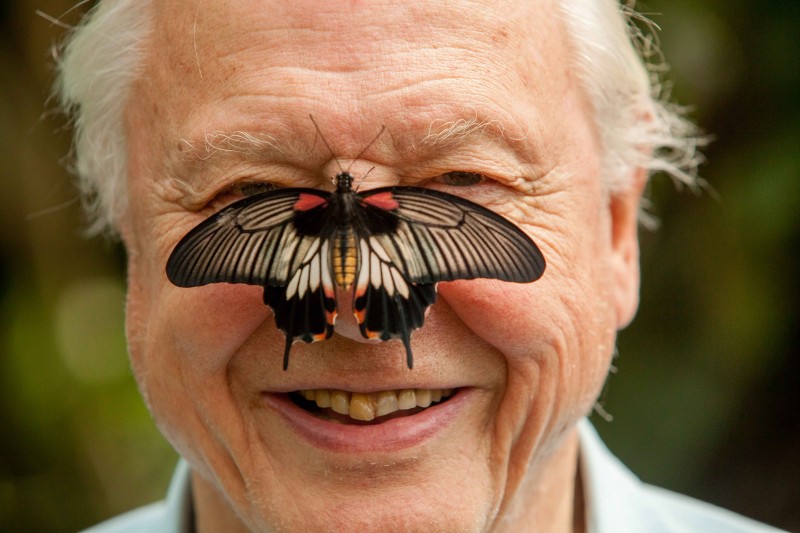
(345, 257)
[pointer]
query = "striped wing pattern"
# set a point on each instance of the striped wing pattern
(255, 241)
(305, 308)
(441, 237)
(386, 303)
(252, 241)
(438, 237)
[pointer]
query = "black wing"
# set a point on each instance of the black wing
(441, 237)
(386, 303)
(277, 240)
(411, 238)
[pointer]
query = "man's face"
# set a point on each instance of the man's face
(481, 87)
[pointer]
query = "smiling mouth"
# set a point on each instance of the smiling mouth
(344, 407)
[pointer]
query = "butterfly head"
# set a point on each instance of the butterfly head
(344, 181)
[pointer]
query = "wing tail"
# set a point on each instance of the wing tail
(308, 317)
(388, 306)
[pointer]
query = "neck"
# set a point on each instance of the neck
(211, 510)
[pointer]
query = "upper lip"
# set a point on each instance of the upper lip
(361, 382)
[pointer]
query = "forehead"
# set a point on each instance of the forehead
(265, 66)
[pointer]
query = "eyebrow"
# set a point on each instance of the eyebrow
(442, 134)
(235, 142)
(484, 129)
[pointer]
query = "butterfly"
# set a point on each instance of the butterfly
(391, 245)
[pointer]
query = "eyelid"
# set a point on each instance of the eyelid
(461, 178)
(238, 191)
(251, 188)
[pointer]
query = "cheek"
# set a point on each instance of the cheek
(207, 325)
(185, 342)
(182, 340)
(201, 325)
(557, 334)
(199, 330)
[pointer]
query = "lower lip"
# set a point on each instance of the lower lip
(391, 435)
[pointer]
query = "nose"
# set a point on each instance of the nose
(346, 324)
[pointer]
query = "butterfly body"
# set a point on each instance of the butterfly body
(390, 245)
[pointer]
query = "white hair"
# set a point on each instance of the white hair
(614, 59)
(100, 61)
(618, 64)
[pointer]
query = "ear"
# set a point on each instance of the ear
(624, 209)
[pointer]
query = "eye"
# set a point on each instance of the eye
(252, 188)
(461, 178)
(239, 190)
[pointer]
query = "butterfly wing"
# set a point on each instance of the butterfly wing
(386, 303)
(442, 237)
(278, 240)
(412, 238)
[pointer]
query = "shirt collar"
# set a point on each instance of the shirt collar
(611, 491)
(180, 515)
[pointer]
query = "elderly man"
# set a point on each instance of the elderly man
(538, 110)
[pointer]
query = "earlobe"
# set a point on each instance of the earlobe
(624, 208)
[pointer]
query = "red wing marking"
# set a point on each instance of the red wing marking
(307, 201)
(382, 200)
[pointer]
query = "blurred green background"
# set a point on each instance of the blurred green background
(706, 399)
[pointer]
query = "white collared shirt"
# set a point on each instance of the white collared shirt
(616, 502)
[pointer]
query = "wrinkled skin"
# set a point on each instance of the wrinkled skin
(528, 359)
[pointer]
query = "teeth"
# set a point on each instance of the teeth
(323, 397)
(340, 402)
(423, 397)
(362, 406)
(406, 399)
(387, 403)
(367, 406)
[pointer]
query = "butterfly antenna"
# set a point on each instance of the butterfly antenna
(325, 142)
(383, 128)
(364, 177)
